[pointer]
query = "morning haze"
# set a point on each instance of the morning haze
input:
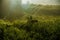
(25, 20)
(44, 2)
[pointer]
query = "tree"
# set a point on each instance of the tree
(0, 8)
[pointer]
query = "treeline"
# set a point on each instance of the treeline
(43, 9)
(10, 11)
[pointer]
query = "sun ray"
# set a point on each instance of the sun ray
(24, 1)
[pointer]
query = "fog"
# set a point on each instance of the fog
(44, 2)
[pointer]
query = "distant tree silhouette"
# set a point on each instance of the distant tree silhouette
(0, 9)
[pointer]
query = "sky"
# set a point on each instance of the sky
(43, 2)
(13, 3)
(50, 2)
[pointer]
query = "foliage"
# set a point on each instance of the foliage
(40, 27)
(41, 30)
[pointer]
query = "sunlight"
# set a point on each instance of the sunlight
(24, 1)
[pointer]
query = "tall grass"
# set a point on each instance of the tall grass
(48, 29)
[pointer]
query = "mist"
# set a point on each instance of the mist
(29, 19)
(43, 2)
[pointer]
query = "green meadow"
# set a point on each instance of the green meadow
(40, 22)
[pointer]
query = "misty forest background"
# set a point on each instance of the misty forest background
(29, 21)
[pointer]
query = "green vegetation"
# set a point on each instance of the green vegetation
(43, 9)
(36, 22)
(44, 29)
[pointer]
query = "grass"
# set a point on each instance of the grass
(43, 24)
(47, 28)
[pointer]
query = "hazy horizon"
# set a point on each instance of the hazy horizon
(43, 2)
